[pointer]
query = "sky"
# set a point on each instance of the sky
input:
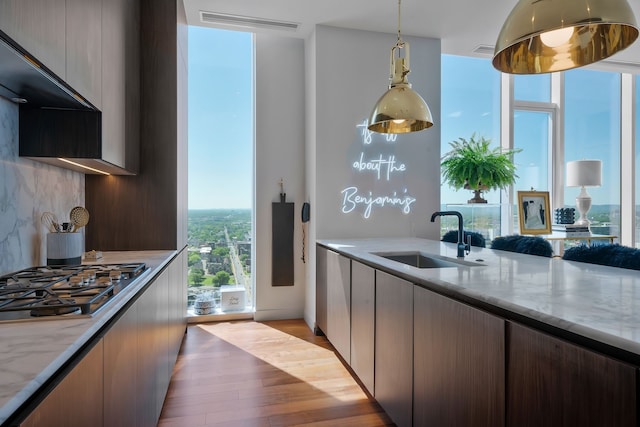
(221, 121)
(469, 106)
(221, 115)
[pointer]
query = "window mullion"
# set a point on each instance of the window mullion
(627, 157)
(557, 148)
(506, 142)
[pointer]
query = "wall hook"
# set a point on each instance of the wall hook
(283, 195)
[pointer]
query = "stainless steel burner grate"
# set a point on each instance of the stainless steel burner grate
(39, 292)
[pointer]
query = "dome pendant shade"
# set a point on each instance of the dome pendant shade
(400, 110)
(590, 31)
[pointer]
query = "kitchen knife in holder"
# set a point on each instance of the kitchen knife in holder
(64, 248)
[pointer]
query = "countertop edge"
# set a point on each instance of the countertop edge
(581, 334)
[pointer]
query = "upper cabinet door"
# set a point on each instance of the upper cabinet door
(121, 82)
(84, 48)
(39, 27)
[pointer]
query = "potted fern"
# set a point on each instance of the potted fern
(472, 164)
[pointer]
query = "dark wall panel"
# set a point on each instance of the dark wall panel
(140, 212)
(282, 244)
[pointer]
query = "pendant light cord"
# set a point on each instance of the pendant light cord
(399, 36)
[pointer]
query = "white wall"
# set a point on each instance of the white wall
(279, 154)
(182, 152)
(310, 97)
(347, 71)
(352, 72)
(310, 175)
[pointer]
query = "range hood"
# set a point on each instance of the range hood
(57, 125)
(23, 79)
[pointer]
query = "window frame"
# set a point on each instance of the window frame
(629, 144)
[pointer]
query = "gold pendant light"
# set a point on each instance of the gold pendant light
(400, 109)
(544, 36)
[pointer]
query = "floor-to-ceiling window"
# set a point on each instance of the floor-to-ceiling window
(221, 123)
(554, 119)
(532, 87)
(470, 107)
(592, 131)
(533, 134)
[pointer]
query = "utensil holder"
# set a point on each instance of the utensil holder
(64, 248)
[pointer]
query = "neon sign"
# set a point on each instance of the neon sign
(386, 166)
(367, 135)
(351, 200)
(383, 167)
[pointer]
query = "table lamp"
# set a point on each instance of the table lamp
(584, 173)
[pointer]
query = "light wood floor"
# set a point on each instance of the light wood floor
(277, 373)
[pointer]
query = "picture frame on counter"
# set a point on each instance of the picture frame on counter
(534, 213)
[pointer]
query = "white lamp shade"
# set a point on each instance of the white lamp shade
(587, 173)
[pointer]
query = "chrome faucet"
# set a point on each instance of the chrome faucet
(462, 246)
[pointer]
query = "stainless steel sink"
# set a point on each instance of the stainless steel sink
(425, 260)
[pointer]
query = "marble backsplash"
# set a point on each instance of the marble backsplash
(27, 189)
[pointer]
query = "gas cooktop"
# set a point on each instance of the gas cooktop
(52, 291)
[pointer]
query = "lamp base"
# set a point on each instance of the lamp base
(583, 204)
(582, 222)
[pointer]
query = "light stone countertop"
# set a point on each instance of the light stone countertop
(599, 303)
(32, 351)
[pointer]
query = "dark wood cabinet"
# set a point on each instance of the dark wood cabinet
(124, 378)
(77, 399)
(394, 347)
(153, 340)
(551, 382)
(321, 289)
(458, 360)
(363, 316)
(333, 299)
(121, 352)
(158, 194)
(177, 306)
(141, 349)
(432, 360)
(338, 328)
